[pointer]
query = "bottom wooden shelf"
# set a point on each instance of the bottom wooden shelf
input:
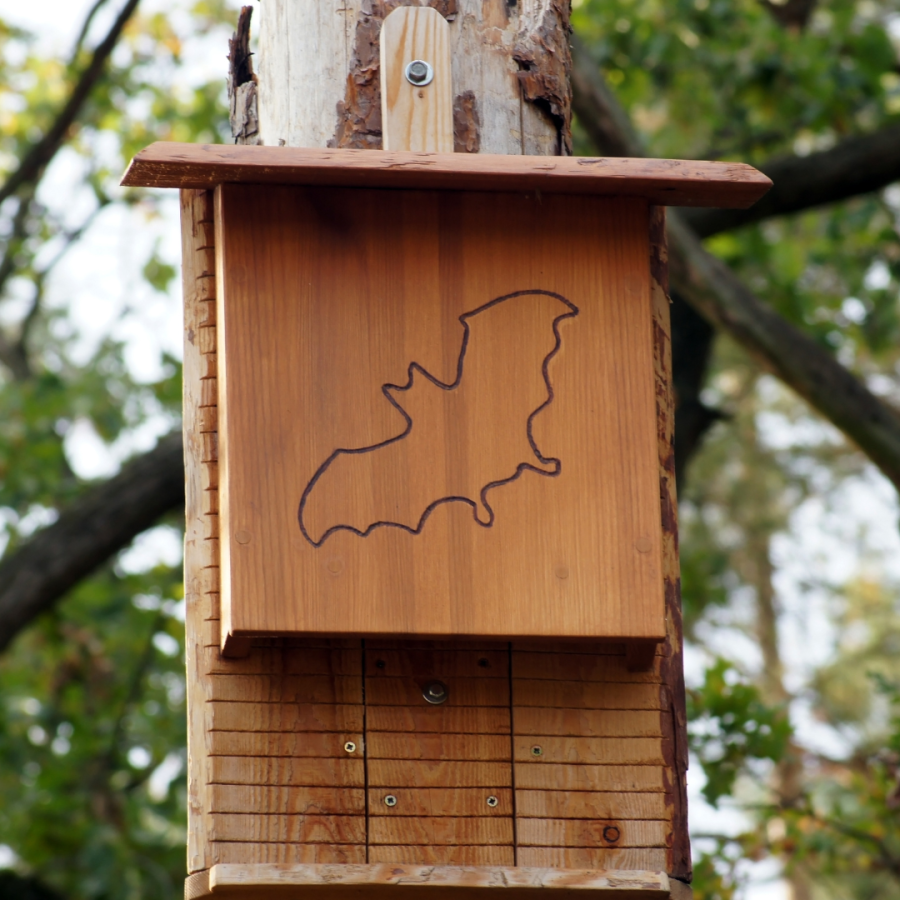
(382, 881)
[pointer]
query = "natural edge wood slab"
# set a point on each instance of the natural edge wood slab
(669, 182)
(336, 882)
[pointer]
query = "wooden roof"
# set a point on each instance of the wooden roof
(670, 182)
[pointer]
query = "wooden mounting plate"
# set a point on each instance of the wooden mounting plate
(337, 882)
(667, 182)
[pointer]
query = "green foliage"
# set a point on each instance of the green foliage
(93, 706)
(92, 697)
(92, 714)
(731, 727)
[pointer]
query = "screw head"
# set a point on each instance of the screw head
(492, 801)
(435, 692)
(537, 751)
(419, 72)
(350, 747)
(380, 663)
(390, 800)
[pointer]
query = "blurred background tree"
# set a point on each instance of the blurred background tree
(790, 542)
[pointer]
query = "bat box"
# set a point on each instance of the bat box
(436, 385)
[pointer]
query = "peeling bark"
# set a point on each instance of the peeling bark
(359, 113)
(545, 60)
(242, 82)
(466, 124)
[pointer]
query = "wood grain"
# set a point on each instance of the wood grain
(386, 745)
(441, 830)
(579, 667)
(586, 805)
(246, 743)
(449, 801)
(278, 771)
(262, 800)
(390, 773)
(274, 661)
(578, 750)
(588, 563)
(590, 833)
(304, 829)
(661, 181)
(584, 695)
(587, 722)
(589, 778)
(384, 881)
(250, 852)
(589, 858)
(439, 663)
(266, 718)
(412, 117)
(286, 689)
(439, 719)
(462, 691)
(449, 855)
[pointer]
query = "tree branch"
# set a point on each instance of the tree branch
(857, 165)
(712, 289)
(102, 522)
(39, 155)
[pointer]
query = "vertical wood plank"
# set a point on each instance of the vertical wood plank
(416, 117)
(672, 691)
(196, 223)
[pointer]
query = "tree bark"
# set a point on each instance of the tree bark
(319, 74)
(94, 528)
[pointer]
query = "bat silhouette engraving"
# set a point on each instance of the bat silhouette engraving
(437, 458)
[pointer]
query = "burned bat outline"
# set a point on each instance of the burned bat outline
(411, 370)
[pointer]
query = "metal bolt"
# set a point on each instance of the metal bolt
(492, 801)
(537, 751)
(350, 747)
(435, 692)
(390, 800)
(419, 72)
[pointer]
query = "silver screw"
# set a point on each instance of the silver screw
(435, 692)
(419, 73)
(390, 800)
(350, 747)
(537, 751)
(492, 801)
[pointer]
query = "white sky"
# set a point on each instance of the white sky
(102, 287)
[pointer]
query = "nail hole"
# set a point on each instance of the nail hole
(611, 834)
(380, 663)
(484, 663)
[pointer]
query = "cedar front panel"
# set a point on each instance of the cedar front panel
(293, 749)
(437, 414)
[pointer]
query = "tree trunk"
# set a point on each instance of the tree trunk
(318, 86)
(319, 74)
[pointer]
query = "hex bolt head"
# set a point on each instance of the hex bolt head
(435, 692)
(350, 747)
(390, 800)
(537, 751)
(419, 72)
(492, 801)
